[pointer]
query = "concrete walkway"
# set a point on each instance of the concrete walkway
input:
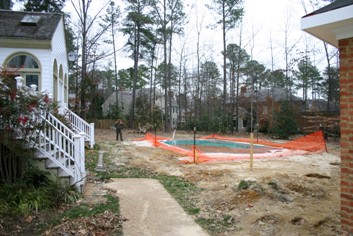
(150, 210)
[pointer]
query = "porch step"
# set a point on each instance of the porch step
(57, 146)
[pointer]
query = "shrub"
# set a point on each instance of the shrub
(284, 122)
(19, 108)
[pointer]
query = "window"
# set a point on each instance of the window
(32, 79)
(27, 67)
(22, 61)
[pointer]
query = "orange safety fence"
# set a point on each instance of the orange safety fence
(314, 142)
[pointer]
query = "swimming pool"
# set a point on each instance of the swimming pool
(213, 148)
(210, 143)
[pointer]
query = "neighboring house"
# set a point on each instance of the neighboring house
(32, 46)
(277, 94)
(334, 25)
(125, 100)
(264, 103)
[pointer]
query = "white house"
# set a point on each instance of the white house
(33, 48)
(33, 45)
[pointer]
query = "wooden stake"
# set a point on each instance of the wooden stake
(251, 151)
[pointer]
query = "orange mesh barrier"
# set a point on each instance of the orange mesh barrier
(314, 142)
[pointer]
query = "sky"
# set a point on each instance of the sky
(263, 26)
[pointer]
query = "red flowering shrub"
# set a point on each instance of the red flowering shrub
(19, 110)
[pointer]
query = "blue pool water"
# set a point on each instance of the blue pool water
(210, 142)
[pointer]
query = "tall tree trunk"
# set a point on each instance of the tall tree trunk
(136, 60)
(329, 93)
(170, 77)
(151, 85)
(238, 77)
(115, 66)
(166, 114)
(84, 61)
(224, 58)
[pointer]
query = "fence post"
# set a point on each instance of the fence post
(77, 143)
(100, 165)
(19, 81)
(33, 89)
(82, 153)
(91, 130)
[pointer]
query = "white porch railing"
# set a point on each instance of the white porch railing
(63, 148)
(80, 125)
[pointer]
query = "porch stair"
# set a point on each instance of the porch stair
(62, 149)
(80, 125)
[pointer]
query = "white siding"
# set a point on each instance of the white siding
(44, 58)
(60, 54)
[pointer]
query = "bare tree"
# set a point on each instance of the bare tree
(199, 24)
(288, 50)
(89, 38)
(230, 11)
(111, 18)
(170, 17)
(329, 55)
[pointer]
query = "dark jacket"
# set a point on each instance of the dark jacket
(118, 126)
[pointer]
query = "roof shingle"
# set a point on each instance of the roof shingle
(11, 27)
(333, 6)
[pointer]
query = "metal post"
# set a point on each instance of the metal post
(194, 147)
(251, 151)
(257, 117)
(155, 136)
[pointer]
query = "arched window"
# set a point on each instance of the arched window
(22, 61)
(26, 66)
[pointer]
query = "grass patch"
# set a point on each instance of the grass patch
(244, 185)
(217, 225)
(183, 191)
(81, 211)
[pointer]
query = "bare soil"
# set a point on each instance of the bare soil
(297, 195)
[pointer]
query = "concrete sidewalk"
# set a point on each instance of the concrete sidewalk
(150, 210)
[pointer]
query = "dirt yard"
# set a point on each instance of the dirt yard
(297, 195)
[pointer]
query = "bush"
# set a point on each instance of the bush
(24, 198)
(19, 110)
(284, 122)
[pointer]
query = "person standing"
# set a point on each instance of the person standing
(119, 129)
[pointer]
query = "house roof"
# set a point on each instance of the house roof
(36, 26)
(277, 94)
(333, 6)
(330, 23)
